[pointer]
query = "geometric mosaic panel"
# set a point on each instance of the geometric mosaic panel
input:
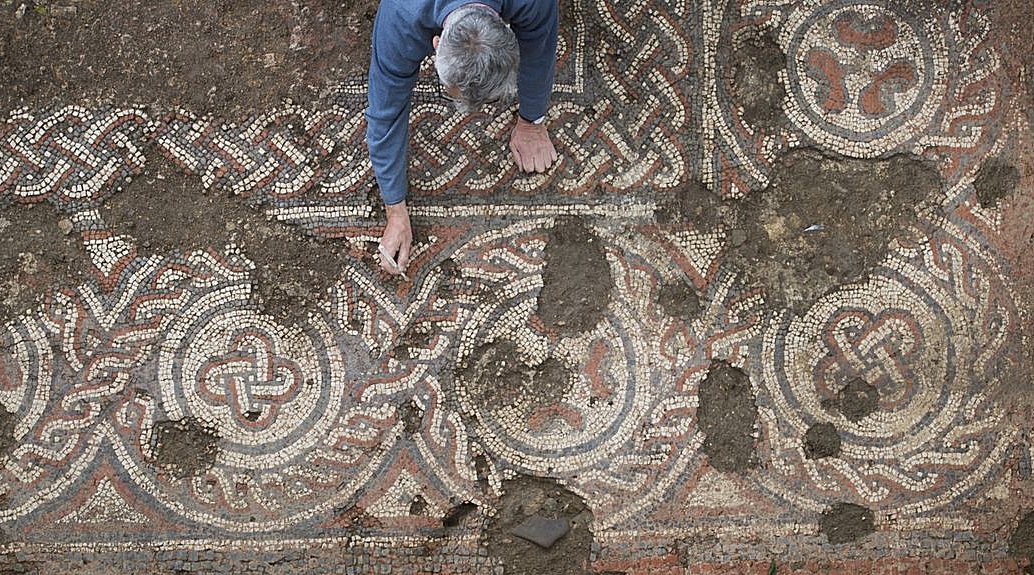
(318, 446)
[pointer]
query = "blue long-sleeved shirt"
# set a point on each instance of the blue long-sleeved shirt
(402, 34)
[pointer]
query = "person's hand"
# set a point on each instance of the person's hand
(397, 239)
(531, 147)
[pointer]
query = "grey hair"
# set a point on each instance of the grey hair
(478, 54)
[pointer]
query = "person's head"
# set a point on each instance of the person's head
(477, 57)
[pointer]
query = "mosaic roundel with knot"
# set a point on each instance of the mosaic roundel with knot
(293, 415)
(267, 389)
(919, 342)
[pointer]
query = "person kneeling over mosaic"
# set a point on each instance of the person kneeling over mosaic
(485, 53)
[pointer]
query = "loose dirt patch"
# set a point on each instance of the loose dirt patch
(230, 57)
(497, 378)
(527, 497)
(679, 300)
(456, 514)
(412, 417)
(1021, 543)
(692, 204)
(821, 440)
(418, 336)
(576, 281)
(8, 421)
(856, 400)
(727, 415)
(36, 255)
(826, 221)
(167, 211)
(756, 84)
(995, 180)
(846, 522)
(184, 448)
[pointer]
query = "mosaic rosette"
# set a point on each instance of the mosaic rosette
(623, 428)
(863, 79)
(927, 330)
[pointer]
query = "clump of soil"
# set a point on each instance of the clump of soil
(821, 440)
(527, 497)
(418, 506)
(412, 417)
(826, 221)
(846, 522)
(457, 513)
(856, 400)
(576, 281)
(36, 255)
(691, 204)
(166, 211)
(355, 518)
(230, 57)
(756, 84)
(417, 336)
(8, 421)
(184, 448)
(679, 300)
(1021, 543)
(727, 415)
(497, 377)
(995, 180)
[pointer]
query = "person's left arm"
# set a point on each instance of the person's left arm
(536, 28)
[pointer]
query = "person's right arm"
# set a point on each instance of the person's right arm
(395, 55)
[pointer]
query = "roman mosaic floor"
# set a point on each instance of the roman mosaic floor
(157, 419)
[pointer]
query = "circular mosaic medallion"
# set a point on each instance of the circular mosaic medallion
(266, 389)
(266, 431)
(862, 77)
(609, 407)
(899, 365)
(564, 413)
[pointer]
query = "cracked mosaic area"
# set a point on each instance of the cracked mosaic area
(157, 414)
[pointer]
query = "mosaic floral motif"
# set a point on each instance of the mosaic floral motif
(863, 79)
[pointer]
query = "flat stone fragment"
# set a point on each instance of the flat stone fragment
(542, 531)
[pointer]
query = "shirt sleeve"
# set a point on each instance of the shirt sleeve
(395, 54)
(536, 31)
